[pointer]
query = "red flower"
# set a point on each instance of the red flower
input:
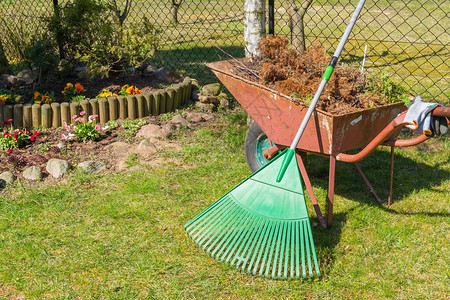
(32, 137)
(10, 120)
(10, 150)
(4, 122)
(15, 135)
(36, 133)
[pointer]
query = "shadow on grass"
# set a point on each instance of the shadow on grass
(409, 177)
(192, 61)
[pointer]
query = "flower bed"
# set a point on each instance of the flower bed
(110, 107)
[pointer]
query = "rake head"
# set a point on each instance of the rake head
(261, 226)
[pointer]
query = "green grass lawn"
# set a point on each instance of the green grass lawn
(121, 235)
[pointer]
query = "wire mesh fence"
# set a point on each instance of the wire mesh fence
(408, 39)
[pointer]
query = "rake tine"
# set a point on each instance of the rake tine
(238, 239)
(313, 251)
(279, 245)
(208, 218)
(223, 230)
(308, 254)
(230, 233)
(299, 224)
(265, 245)
(239, 252)
(265, 229)
(286, 257)
(272, 248)
(216, 226)
(293, 249)
(212, 206)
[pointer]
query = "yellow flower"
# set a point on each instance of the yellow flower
(2, 99)
(130, 90)
(18, 98)
(68, 86)
(138, 91)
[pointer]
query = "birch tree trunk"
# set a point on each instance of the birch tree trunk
(297, 26)
(255, 25)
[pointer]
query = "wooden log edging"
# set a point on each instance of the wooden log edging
(113, 108)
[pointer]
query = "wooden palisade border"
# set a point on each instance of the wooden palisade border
(131, 107)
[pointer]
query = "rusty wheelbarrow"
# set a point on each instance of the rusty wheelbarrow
(277, 119)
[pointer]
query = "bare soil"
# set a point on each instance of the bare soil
(299, 76)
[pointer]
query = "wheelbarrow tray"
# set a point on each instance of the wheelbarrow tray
(279, 117)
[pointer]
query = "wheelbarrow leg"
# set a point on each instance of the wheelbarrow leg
(391, 180)
(331, 188)
(309, 188)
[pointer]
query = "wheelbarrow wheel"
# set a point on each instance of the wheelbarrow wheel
(256, 142)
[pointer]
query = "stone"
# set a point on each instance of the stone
(79, 69)
(33, 173)
(212, 89)
(149, 70)
(208, 99)
(28, 73)
(204, 107)
(131, 70)
(179, 120)
(65, 67)
(91, 166)
(225, 103)
(155, 131)
(57, 167)
(12, 81)
(195, 94)
(166, 75)
(6, 178)
(198, 117)
(146, 148)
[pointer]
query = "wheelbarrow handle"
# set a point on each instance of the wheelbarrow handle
(382, 137)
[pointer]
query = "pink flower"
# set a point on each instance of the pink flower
(68, 128)
(97, 127)
(65, 124)
(74, 116)
(80, 119)
(64, 137)
(82, 113)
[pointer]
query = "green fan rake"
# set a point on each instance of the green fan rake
(262, 226)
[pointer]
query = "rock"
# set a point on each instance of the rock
(179, 120)
(198, 117)
(208, 99)
(204, 107)
(57, 167)
(166, 75)
(225, 103)
(65, 67)
(33, 173)
(12, 81)
(156, 131)
(149, 70)
(79, 69)
(28, 73)
(91, 166)
(212, 89)
(195, 94)
(146, 148)
(6, 178)
(131, 70)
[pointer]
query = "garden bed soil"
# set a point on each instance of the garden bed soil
(298, 76)
(113, 148)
